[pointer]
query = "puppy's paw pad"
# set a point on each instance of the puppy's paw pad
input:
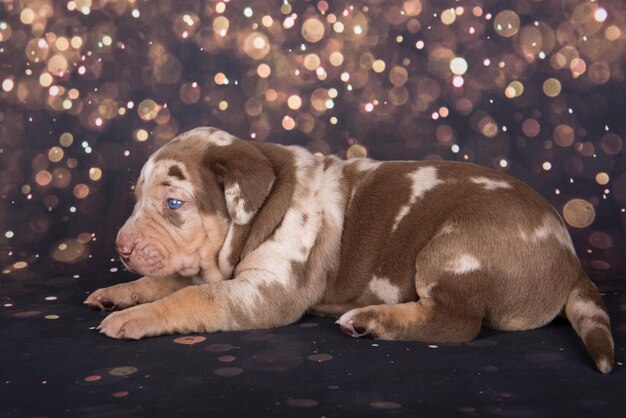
(107, 304)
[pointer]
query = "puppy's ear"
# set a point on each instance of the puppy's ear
(248, 177)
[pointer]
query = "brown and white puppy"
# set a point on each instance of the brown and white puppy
(234, 235)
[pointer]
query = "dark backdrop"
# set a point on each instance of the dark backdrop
(89, 88)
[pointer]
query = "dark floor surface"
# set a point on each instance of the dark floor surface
(55, 364)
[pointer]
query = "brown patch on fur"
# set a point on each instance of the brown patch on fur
(208, 194)
(299, 272)
(280, 198)
(175, 171)
(330, 160)
(366, 236)
(240, 235)
(243, 164)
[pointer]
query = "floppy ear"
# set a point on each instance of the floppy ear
(248, 177)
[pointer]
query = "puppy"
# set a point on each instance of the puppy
(235, 235)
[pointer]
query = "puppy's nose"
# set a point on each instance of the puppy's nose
(124, 250)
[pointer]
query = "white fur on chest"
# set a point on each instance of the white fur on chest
(315, 202)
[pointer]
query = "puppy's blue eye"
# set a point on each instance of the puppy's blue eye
(174, 203)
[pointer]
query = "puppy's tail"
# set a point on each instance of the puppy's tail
(587, 314)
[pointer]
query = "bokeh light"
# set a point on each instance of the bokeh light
(89, 89)
(579, 213)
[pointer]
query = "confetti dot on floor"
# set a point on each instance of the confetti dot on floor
(226, 359)
(93, 378)
(303, 403)
(120, 394)
(189, 340)
(52, 316)
(320, 357)
(123, 371)
(26, 314)
(385, 405)
(228, 371)
(51, 298)
(466, 409)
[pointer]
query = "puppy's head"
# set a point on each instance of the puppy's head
(188, 194)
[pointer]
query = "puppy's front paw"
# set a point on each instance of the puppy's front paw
(134, 323)
(120, 296)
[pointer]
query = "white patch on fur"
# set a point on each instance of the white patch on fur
(214, 135)
(384, 289)
(272, 261)
(447, 228)
(422, 180)
(425, 291)
(604, 365)
(465, 263)
(516, 324)
(550, 227)
(365, 164)
(236, 205)
(227, 248)
(587, 311)
(221, 138)
(491, 184)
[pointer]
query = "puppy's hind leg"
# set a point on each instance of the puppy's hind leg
(450, 309)
(426, 320)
